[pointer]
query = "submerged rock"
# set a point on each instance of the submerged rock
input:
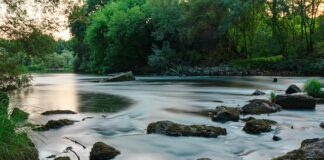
(309, 149)
(204, 159)
(19, 115)
(247, 119)
(258, 126)
(55, 124)
(127, 76)
(260, 106)
(322, 125)
(293, 89)
(102, 151)
(276, 138)
(258, 93)
(275, 80)
(224, 114)
(62, 158)
(58, 112)
(301, 102)
(173, 129)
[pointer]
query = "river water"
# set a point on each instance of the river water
(149, 99)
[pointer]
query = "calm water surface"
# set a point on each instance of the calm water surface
(122, 110)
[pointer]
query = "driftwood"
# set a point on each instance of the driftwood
(70, 149)
(76, 142)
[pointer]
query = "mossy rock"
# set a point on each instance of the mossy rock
(224, 114)
(260, 106)
(258, 126)
(247, 119)
(296, 102)
(102, 151)
(55, 124)
(309, 149)
(19, 115)
(58, 112)
(293, 89)
(173, 129)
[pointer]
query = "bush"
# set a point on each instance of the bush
(273, 96)
(313, 88)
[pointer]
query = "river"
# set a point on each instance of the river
(150, 99)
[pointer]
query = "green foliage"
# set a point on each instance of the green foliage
(119, 37)
(12, 74)
(114, 36)
(18, 115)
(273, 96)
(313, 88)
(13, 144)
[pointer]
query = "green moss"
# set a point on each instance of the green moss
(18, 115)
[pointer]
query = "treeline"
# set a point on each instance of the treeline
(119, 35)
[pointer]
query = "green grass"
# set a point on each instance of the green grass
(257, 62)
(14, 145)
(273, 96)
(313, 88)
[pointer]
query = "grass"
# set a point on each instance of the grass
(313, 88)
(13, 145)
(273, 96)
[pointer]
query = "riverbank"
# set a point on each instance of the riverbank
(268, 66)
(14, 141)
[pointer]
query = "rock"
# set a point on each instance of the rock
(309, 149)
(260, 106)
(301, 102)
(247, 119)
(55, 124)
(19, 115)
(102, 151)
(62, 158)
(319, 100)
(224, 114)
(58, 112)
(275, 80)
(293, 89)
(258, 93)
(173, 129)
(322, 125)
(276, 138)
(204, 159)
(128, 76)
(258, 126)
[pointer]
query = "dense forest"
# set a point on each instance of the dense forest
(146, 35)
(149, 36)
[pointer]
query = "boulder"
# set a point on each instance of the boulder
(55, 124)
(62, 158)
(127, 76)
(275, 80)
(322, 125)
(173, 129)
(258, 126)
(309, 149)
(204, 159)
(102, 151)
(301, 102)
(58, 112)
(258, 93)
(260, 106)
(224, 114)
(293, 89)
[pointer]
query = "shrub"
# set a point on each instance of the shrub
(313, 88)
(272, 96)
